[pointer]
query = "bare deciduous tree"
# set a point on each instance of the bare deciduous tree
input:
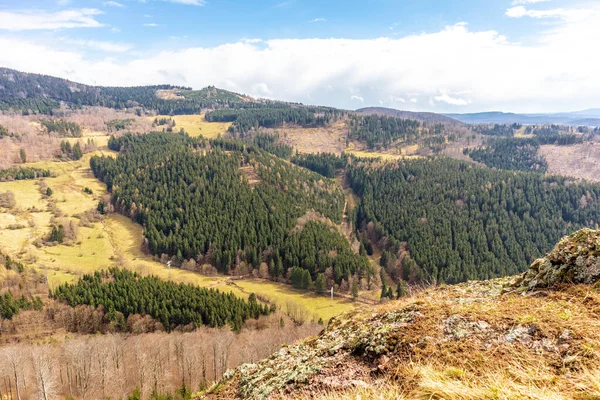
(42, 363)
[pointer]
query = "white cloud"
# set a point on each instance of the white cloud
(109, 47)
(151, 25)
(396, 99)
(455, 69)
(454, 101)
(38, 20)
(359, 98)
(113, 4)
(251, 40)
(318, 20)
(520, 11)
(115, 30)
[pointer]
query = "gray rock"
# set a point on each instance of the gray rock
(575, 259)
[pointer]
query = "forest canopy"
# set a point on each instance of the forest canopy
(172, 304)
(462, 222)
(224, 203)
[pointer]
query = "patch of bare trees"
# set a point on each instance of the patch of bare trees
(101, 366)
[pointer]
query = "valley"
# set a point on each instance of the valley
(139, 217)
(113, 240)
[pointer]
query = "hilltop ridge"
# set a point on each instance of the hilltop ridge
(419, 116)
(481, 339)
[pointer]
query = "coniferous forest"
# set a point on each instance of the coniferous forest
(511, 153)
(325, 164)
(376, 130)
(273, 115)
(17, 174)
(174, 305)
(520, 154)
(461, 222)
(224, 203)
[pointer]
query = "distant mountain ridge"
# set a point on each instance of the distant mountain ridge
(419, 116)
(589, 117)
(36, 93)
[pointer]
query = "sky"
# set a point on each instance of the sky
(419, 55)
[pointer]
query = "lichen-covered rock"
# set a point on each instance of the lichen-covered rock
(458, 327)
(366, 337)
(575, 259)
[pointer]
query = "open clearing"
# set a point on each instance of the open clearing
(329, 139)
(114, 241)
(577, 161)
(280, 294)
(196, 125)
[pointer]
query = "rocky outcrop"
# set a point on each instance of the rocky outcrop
(575, 259)
(473, 340)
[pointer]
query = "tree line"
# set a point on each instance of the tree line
(497, 129)
(122, 292)
(520, 154)
(245, 120)
(325, 164)
(22, 173)
(510, 153)
(62, 128)
(379, 130)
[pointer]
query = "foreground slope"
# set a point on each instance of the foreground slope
(503, 338)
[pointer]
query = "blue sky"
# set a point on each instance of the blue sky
(435, 55)
(224, 21)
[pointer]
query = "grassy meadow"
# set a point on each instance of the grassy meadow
(196, 125)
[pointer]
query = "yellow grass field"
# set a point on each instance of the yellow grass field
(196, 125)
(388, 155)
(322, 306)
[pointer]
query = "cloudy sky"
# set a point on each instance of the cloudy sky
(428, 55)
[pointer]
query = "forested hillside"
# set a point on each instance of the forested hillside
(273, 115)
(376, 130)
(463, 222)
(510, 153)
(326, 164)
(228, 204)
(35, 93)
(521, 154)
(419, 116)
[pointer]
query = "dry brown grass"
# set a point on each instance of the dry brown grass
(578, 161)
(170, 94)
(467, 342)
(328, 139)
(251, 175)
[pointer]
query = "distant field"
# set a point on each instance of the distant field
(407, 151)
(196, 125)
(323, 306)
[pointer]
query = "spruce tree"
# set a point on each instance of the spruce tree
(354, 288)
